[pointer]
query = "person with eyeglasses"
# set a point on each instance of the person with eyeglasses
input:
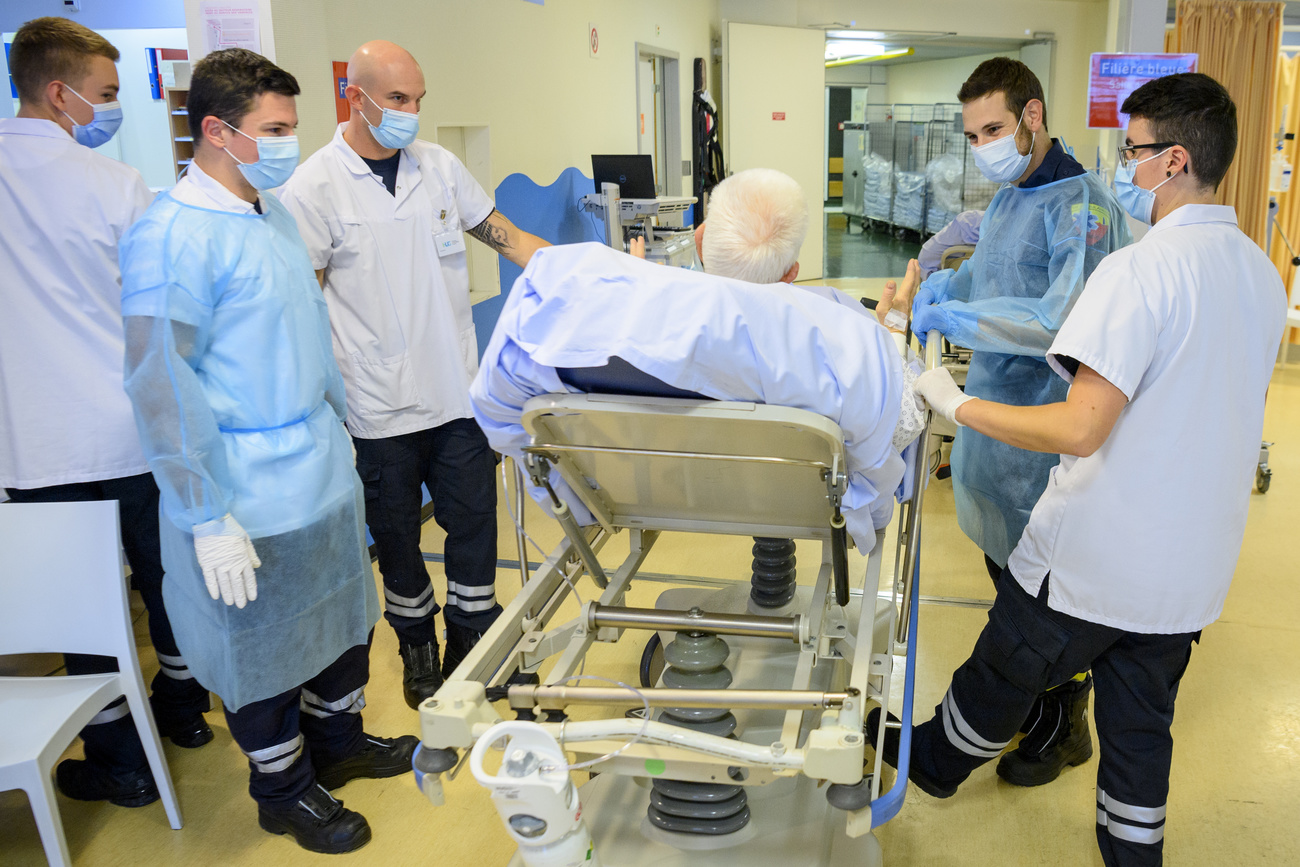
(1127, 555)
(1049, 226)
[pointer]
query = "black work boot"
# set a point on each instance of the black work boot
(88, 781)
(190, 734)
(421, 677)
(377, 758)
(889, 753)
(460, 641)
(318, 822)
(1057, 737)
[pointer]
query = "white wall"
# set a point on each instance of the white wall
(1080, 28)
(932, 81)
(521, 69)
(196, 29)
(872, 76)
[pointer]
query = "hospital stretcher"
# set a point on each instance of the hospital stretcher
(803, 677)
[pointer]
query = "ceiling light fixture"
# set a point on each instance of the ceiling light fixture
(889, 35)
(889, 55)
(839, 50)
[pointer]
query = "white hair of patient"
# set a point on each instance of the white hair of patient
(755, 226)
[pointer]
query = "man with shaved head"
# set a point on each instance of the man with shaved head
(383, 214)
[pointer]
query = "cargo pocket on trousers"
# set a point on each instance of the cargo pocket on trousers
(1023, 645)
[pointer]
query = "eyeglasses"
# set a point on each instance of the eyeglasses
(1129, 152)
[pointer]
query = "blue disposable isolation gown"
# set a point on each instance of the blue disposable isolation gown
(239, 403)
(1037, 246)
(579, 305)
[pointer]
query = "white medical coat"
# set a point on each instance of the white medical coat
(581, 304)
(64, 417)
(400, 315)
(1144, 534)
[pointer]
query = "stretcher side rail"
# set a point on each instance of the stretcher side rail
(907, 584)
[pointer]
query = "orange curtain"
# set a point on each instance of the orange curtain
(1237, 44)
(1287, 104)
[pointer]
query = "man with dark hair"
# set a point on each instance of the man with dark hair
(384, 214)
(239, 404)
(1127, 556)
(64, 209)
(1187, 111)
(1045, 231)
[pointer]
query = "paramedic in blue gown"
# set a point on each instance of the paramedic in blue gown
(240, 408)
(1049, 225)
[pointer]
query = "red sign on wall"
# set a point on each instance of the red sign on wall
(778, 115)
(341, 109)
(1115, 76)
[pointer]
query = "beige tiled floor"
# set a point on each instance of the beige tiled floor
(1236, 775)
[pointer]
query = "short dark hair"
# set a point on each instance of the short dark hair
(53, 49)
(1015, 81)
(224, 84)
(1195, 111)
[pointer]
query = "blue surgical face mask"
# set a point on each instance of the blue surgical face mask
(102, 127)
(1138, 201)
(277, 157)
(1001, 161)
(396, 130)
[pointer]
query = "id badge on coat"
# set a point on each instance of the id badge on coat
(449, 243)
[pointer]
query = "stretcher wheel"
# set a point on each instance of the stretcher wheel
(652, 661)
(1262, 479)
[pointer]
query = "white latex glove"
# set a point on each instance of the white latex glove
(227, 559)
(941, 393)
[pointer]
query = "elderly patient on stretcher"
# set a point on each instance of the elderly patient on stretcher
(586, 318)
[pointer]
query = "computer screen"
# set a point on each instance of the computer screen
(634, 174)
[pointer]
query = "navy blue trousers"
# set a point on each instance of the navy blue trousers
(287, 735)
(456, 464)
(177, 698)
(1027, 648)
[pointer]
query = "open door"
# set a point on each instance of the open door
(774, 79)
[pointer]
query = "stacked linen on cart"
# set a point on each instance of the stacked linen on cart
(909, 200)
(877, 187)
(943, 176)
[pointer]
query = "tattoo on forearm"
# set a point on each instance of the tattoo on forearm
(494, 235)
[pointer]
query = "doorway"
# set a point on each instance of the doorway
(659, 116)
(472, 145)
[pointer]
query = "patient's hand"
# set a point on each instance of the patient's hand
(897, 297)
(907, 292)
(636, 246)
(886, 302)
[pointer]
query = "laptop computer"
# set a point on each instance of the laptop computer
(634, 174)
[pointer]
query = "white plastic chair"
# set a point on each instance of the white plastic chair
(63, 590)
